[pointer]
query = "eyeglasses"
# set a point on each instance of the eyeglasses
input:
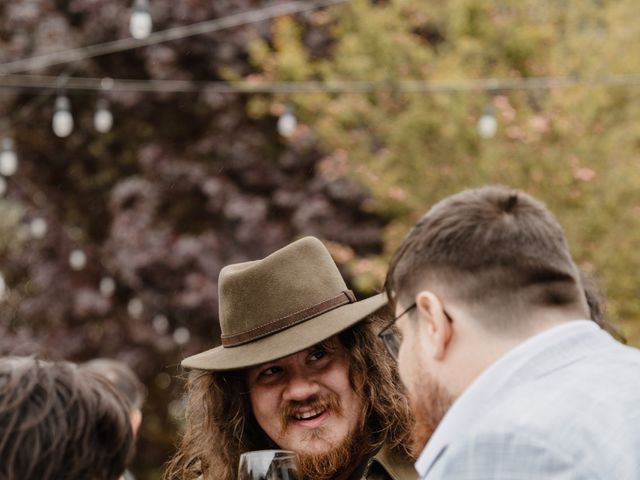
(390, 335)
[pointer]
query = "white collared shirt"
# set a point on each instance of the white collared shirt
(475, 398)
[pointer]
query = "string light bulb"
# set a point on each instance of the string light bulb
(135, 307)
(8, 158)
(487, 124)
(38, 227)
(107, 287)
(77, 259)
(140, 23)
(287, 123)
(181, 335)
(103, 118)
(62, 122)
(160, 323)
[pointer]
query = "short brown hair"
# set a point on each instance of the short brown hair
(57, 422)
(493, 248)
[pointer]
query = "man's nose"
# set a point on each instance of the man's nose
(300, 386)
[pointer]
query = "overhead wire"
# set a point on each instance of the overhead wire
(9, 69)
(175, 33)
(312, 86)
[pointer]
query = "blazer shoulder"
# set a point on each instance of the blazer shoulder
(505, 454)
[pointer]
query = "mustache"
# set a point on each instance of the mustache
(328, 402)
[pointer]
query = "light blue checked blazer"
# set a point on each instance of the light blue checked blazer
(572, 412)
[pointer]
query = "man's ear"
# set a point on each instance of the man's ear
(136, 419)
(435, 324)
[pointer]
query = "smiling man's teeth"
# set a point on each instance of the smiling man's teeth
(306, 415)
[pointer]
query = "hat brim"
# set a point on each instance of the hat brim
(286, 342)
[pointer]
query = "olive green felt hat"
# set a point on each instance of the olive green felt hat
(284, 303)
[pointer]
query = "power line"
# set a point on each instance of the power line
(79, 84)
(175, 33)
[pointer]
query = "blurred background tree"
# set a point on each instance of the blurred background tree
(575, 147)
(111, 243)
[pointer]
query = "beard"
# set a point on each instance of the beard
(430, 404)
(330, 464)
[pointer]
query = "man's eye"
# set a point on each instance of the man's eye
(269, 372)
(317, 355)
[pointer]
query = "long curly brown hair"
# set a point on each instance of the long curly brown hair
(219, 423)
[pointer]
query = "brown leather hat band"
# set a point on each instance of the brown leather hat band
(287, 321)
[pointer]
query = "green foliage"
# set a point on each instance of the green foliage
(577, 147)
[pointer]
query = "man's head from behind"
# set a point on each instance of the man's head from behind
(58, 422)
(486, 268)
(300, 368)
(497, 250)
(124, 380)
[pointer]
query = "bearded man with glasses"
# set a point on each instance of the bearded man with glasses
(507, 375)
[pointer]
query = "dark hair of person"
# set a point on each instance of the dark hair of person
(58, 422)
(220, 424)
(597, 306)
(497, 250)
(121, 376)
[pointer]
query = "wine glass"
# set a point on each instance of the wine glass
(269, 465)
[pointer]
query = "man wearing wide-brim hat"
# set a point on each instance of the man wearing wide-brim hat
(299, 368)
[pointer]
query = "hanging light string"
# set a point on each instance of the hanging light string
(80, 84)
(25, 110)
(72, 55)
(175, 33)
(140, 23)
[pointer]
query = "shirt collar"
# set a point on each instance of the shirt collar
(394, 464)
(477, 395)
